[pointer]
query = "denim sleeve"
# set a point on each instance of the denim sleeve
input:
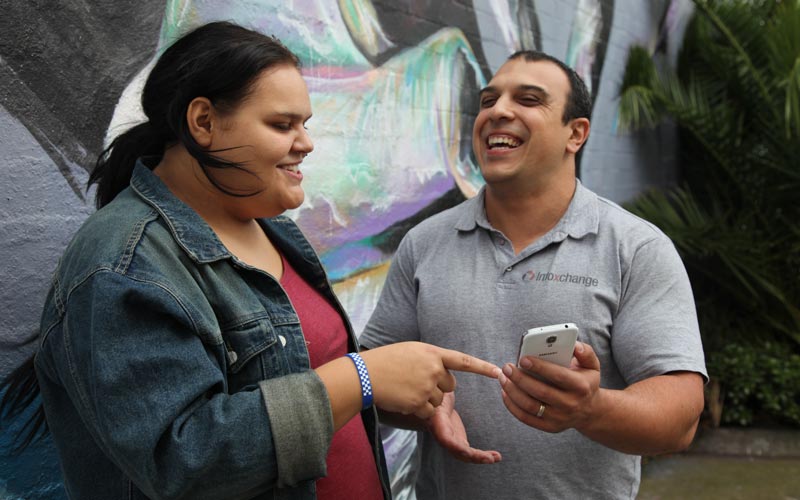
(153, 396)
(301, 432)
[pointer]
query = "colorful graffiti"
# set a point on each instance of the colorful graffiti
(393, 88)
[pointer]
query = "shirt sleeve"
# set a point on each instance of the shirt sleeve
(655, 330)
(154, 398)
(395, 316)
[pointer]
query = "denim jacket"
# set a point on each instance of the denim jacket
(170, 369)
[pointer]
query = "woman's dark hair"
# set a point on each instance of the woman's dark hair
(20, 391)
(220, 61)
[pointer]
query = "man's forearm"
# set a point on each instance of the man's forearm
(654, 416)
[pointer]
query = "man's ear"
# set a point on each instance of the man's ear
(580, 132)
(200, 117)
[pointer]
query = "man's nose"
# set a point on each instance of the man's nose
(502, 109)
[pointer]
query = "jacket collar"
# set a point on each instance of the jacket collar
(191, 232)
(197, 238)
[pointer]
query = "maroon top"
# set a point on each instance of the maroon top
(352, 472)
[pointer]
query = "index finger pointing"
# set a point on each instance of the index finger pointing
(456, 360)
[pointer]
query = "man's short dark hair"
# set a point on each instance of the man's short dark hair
(579, 100)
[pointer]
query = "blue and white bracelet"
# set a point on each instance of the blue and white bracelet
(363, 377)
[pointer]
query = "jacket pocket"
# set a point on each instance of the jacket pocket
(253, 353)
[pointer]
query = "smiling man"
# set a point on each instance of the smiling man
(478, 276)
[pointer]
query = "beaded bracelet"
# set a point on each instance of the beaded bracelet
(363, 377)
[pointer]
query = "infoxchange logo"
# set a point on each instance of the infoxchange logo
(560, 278)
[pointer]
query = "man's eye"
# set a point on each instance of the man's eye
(282, 126)
(487, 101)
(529, 101)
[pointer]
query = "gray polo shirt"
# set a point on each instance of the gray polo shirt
(455, 282)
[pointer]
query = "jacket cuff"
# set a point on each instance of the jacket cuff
(302, 425)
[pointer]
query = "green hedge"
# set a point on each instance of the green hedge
(760, 384)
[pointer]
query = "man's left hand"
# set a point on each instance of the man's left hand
(565, 399)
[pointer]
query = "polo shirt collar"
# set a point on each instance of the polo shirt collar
(581, 218)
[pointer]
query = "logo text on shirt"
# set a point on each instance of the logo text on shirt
(560, 278)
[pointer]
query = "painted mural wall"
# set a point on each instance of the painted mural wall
(394, 91)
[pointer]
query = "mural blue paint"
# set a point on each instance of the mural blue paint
(393, 89)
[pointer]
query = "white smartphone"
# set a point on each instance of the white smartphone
(554, 343)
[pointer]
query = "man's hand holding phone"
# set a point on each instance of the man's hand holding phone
(552, 396)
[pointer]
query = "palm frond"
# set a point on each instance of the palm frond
(792, 107)
(736, 100)
(782, 39)
(741, 32)
(638, 104)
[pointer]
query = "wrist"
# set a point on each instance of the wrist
(363, 378)
(595, 414)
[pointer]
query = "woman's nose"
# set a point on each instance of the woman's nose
(304, 144)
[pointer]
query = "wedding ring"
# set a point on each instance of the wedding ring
(542, 408)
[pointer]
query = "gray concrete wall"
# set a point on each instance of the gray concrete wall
(70, 73)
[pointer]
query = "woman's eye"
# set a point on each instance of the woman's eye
(282, 126)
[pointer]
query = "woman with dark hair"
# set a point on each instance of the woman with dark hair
(191, 345)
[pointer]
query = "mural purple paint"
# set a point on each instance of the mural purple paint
(393, 89)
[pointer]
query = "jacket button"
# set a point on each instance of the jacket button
(282, 339)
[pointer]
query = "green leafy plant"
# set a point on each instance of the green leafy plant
(735, 98)
(760, 384)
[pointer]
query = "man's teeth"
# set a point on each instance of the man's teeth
(502, 142)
